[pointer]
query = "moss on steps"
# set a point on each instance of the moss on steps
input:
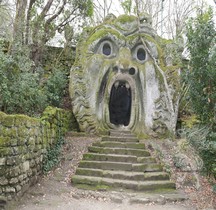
(127, 184)
(121, 163)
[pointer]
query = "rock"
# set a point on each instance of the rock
(181, 161)
(2, 161)
(139, 200)
(189, 168)
(3, 202)
(116, 199)
(76, 196)
(161, 201)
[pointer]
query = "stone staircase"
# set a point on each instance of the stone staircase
(119, 161)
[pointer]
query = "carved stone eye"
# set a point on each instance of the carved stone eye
(141, 54)
(107, 50)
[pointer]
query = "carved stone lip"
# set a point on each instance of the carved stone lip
(124, 78)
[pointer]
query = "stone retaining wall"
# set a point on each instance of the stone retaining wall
(23, 143)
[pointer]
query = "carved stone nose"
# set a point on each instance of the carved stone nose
(131, 70)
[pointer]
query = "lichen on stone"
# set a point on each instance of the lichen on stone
(125, 50)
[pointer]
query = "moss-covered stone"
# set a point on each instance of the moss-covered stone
(189, 121)
(8, 121)
(4, 141)
(125, 19)
(2, 116)
(12, 132)
(5, 151)
(153, 82)
(24, 141)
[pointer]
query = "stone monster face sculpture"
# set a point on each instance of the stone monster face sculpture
(119, 80)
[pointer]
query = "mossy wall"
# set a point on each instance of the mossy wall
(23, 143)
(64, 57)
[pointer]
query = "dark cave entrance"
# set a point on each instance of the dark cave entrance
(120, 103)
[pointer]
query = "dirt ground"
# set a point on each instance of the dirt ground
(55, 191)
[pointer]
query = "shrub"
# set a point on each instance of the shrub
(55, 87)
(204, 141)
(200, 78)
(20, 91)
(52, 157)
(201, 75)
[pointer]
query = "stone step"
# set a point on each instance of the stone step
(118, 158)
(118, 183)
(124, 175)
(115, 133)
(110, 157)
(120, 139)
(119, 144)
(119, 161)
(120, 166)
(146, 160)
(120, 151)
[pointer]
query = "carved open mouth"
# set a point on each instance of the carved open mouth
(120, 103)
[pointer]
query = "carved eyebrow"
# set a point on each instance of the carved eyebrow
(94, 45)
(96, 39)
(133, 41)
(150, 46)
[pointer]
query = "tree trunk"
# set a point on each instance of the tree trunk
(19, 22)
(28, 18)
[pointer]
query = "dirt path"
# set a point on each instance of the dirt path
(55, 191)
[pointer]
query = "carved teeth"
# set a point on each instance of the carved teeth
(124, 84)
(127, 85)
(116, 84)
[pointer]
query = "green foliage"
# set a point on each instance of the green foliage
(214, 188)
(201, 76)
(55, 87)
(127, 6)
(19, 88)
(86, 7)
(201, 81)
(204, 141)
(52, 156)
(25, 95)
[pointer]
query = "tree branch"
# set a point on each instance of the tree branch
(57, 14)
(66, 20)
(46, 9)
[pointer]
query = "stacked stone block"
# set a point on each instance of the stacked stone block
(23, 143)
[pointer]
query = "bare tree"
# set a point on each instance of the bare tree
(101, 10)
(6, 19)
(176, 13)
(37, 22)
(19, 22)
(168, 16)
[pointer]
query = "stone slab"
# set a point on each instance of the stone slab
(119, 139)
(110, 157)
(120, 144)
(121, 151)
(125, 184)
(118, 166)
(124, 175)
